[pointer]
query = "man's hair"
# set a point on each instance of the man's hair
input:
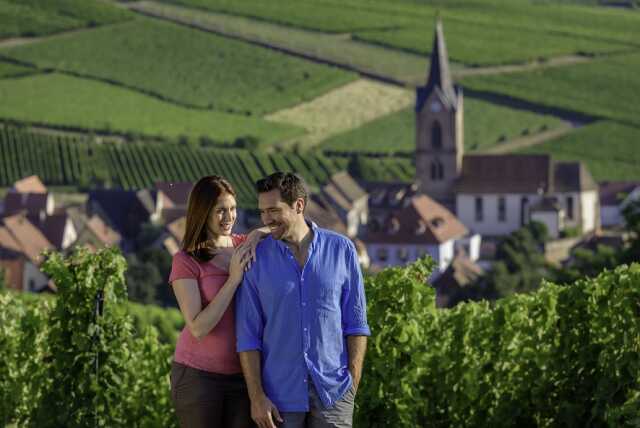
(290, 185)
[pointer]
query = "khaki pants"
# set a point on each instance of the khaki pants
(339, 416)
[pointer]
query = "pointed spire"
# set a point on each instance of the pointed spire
(439, 74)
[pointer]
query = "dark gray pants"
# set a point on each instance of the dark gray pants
(204, 399)
(339, 416)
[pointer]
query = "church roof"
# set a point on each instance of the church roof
(439, 78)
(501, 174)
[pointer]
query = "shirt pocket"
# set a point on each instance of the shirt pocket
(328, 295)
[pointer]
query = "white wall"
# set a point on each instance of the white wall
(70, 234)
(589, 211)
(549, 219)
(442, 254)
(490, 226)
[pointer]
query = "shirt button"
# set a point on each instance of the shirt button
(305, 329)
(304, 303)
(305, 381)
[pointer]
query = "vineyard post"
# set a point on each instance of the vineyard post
(99, 303)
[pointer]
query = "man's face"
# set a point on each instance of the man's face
(276, 214)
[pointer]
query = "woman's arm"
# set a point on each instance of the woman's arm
(201, 321)
(253, 238)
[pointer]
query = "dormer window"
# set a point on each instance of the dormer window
(437, 222)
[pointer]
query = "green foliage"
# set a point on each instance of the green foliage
(484, 125)
(400, 309)
(563, 356)
(88, 105)
(37, 18)
(8, 69)
(150, 55)
(520, 264)
(79, 369)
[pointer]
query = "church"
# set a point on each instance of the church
(493, 195)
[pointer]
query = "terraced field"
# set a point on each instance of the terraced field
(40, 17)
(69, 102)
(484, 32)
(608, 88)
(485, 124)
(610, 150)
(187, 66)
(66, 161)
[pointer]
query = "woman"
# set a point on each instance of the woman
(207, 386)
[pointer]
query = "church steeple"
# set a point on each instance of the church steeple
(439, 74)
(439, 127)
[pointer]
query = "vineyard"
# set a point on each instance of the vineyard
(214, 72)
(72, 103)
(485, 124)
(81, 162)
(608, 149)
(12, 70)
(562, 356)
(604, 88)
(527, 30)
(37, 17)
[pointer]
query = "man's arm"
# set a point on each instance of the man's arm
(263, 412)
(357, 345)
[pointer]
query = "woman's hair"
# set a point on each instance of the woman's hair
(202, 199)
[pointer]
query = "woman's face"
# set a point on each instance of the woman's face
(223, 216)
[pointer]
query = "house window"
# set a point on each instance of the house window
(382, 254)
(479, 209)
(403, 254)
(436, 136)
(524, 210)
(570, 207)
(502, 209)
(437, 170)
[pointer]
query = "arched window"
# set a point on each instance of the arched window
(436, 136)
(437, 170)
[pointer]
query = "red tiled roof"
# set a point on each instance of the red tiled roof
(32, 203)
(31, 184)
(104, 233)
(32, 241)
(422, 221)
(611, 190)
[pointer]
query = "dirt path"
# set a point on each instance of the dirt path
(531, 140)
(560, 61)
(20, 41)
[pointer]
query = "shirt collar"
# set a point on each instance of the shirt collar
(314, 227)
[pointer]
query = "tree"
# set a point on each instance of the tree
(3, 281)
(142, 280)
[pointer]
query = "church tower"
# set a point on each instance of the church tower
(439, 128)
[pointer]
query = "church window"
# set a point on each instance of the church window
(436, 136)
(437, 170)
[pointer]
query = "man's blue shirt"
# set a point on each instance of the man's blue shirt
(299, 318)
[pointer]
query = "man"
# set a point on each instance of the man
(300, 316)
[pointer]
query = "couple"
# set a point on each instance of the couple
(299, 329)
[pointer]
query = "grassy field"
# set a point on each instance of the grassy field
(41, 17)
(187, 66)
(63, 101)
(8, 69)
(342, 109)
(485, 124)
(610, 150)
(608, 87)
(483, 32)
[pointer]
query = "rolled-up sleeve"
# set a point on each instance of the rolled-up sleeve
(354, 303)
(249, 317)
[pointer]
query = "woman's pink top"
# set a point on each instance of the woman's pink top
(215, 352)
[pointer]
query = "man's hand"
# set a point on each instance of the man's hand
(264, 413)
